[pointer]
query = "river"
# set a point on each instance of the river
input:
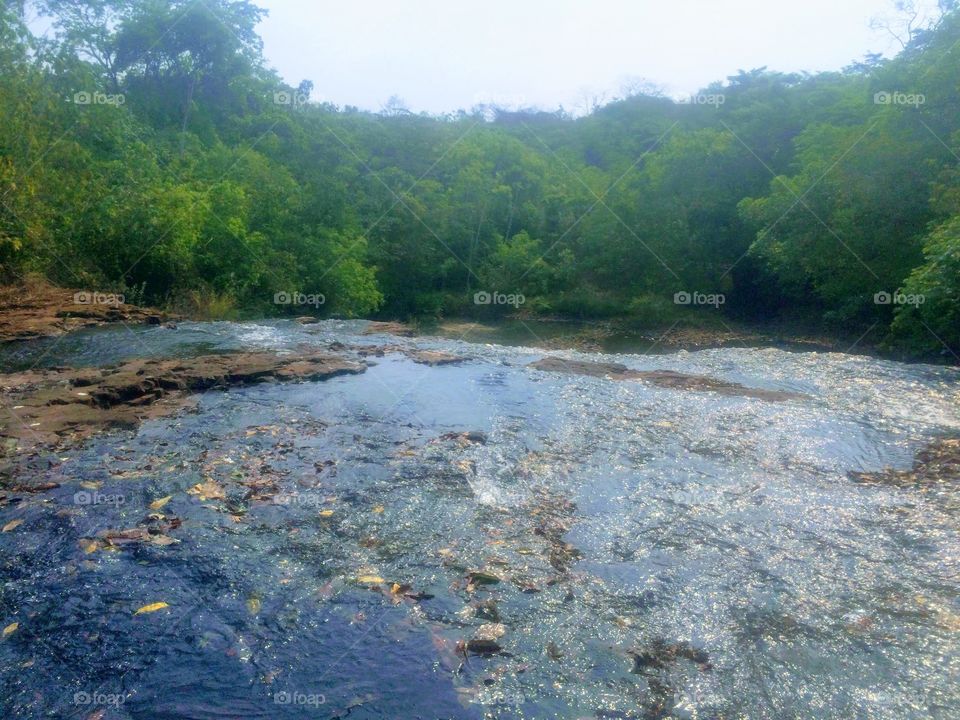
(630, 551)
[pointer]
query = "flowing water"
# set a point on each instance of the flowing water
(659, 553)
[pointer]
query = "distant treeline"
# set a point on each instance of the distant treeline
(146, 148)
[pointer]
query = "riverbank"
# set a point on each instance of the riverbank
(38, 310)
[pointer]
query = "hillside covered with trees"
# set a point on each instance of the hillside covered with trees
(147, 148)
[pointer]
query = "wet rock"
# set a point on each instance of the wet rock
(47, 407)
(659, 654)
(307, 320)
(660, 378)
(938, 462)
(487, 609)
(433, 357)
(490, 631)
(480, 646)
(466, 438)
(481, 577)
(38, 310)
(391, 328)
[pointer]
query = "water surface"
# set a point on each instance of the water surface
(616, 515)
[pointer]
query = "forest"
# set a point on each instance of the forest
(147, 148)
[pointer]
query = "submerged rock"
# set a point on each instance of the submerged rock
(938, 462)
(659, 654)
(660, 378)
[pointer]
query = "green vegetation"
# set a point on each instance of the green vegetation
(145, 145)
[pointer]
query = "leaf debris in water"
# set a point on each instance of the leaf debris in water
(152, 607)
(160, 502)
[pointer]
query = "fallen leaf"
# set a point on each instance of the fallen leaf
(13, 525)
(326, 513)
(131, 535)
(208, 490)
(89, 545)
(480, 577)
(160, 502)
(378, 509)
(370, 579)
(152, 607)
(253, 606)
(10, 629)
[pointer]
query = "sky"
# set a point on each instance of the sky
(443, 55)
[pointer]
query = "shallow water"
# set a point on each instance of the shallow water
(723, 522)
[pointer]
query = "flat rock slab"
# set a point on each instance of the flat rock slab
(29, 313)
(46, 407)
(660, 378)
(424, 357)
(390, 328)
(434, 357)
(938, 462)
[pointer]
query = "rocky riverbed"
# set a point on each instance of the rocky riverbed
(286, 519)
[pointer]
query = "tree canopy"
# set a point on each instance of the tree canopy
(148, 145)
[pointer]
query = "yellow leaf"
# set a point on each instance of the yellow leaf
(326, 513)
(89, 545)
(378, 509)
(370, 579)
(396, 588)
(160, 502)
(11, 628)
(152, 607)
(208, 490)
(13, 525)
(90, 485)
(253, 605)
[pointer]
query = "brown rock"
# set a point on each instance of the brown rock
(47, 407)
(660, 378)
(391, 328)
(938, 462)
(433, 357)
(37, 310)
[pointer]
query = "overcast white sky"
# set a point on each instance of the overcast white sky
(442, 55)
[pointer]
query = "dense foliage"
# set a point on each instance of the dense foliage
(145, 146)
